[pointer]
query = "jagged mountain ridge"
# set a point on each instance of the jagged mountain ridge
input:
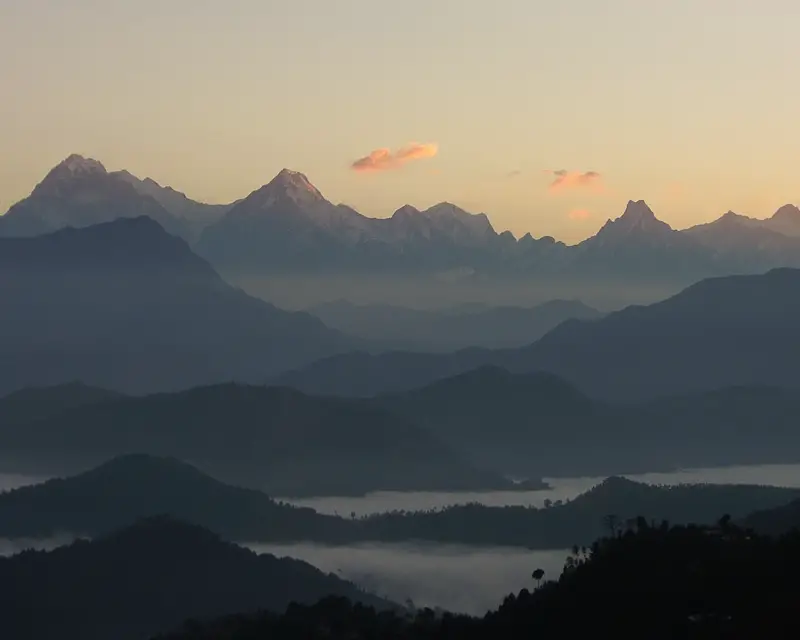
(79, 192)
(287, 225)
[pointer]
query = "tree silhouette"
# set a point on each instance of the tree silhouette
(538, 575)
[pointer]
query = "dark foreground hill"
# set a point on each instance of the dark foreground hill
(775, 521)
(127, 489)
(659, 583)
(277, 440)
(127, 306)
(148, 578)
(731, 331)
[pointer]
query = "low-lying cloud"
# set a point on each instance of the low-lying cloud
(385, 159)
(457, 578)
(564, 180)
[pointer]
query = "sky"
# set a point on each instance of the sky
(548, 116)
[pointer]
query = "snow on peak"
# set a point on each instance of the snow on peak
(73, 167)
(78, 165)
(295, 185)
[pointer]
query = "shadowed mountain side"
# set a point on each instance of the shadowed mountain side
(737, 330)
(656, 582)
(748, 245)
(195, 216)
(131, 487)
(36, 403)
(127, 306)
(612, 504)
(538, 423)
(128, 488)
(776, 521)
(274, 439)
(79, 192)
(149, 578)
(450, 329)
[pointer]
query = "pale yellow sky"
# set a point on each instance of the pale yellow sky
(691, 105)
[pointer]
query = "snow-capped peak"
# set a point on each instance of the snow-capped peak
(73, 167)
(295, 185)
(78, 165)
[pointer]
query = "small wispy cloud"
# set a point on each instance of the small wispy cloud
(385, 159)
(579, 214)
(564, 180)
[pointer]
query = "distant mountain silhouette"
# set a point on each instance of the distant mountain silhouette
(36, 403)
(126, 305)
(277, 440)
(747, 244)
(194, 215)
(538, 423)
(775, 521)
(129, 488)
(150, 578)
(641, 246)
(737, 330)
(79, 192)
(448, 330)
(287, 227)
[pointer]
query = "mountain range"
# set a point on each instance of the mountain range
(537, 423)
(720, 332)
(277, 440)
(131, 488)
(288, 226)
(395, 327)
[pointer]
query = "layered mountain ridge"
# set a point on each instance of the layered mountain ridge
(288, 225)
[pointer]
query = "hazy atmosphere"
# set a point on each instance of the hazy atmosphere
(422, 320)
(225, 94)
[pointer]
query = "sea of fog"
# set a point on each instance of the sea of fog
(457, 578)
(787, 475)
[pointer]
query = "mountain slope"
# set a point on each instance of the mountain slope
(273, 439)
(125, 305)
(196, 215)
(79, 192)
(747, 244)
(285, 223)
(150, 578)
(509, 422)
(288, 225)
(732, 331)
(535, 422)
(443, 330)
(128, 488)
(36, 403)
(637, 245)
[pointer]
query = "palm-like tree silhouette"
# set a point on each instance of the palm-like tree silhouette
(538, 575)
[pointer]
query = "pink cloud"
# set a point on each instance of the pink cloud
(579, 214)
(384, 159)
(564, 180)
